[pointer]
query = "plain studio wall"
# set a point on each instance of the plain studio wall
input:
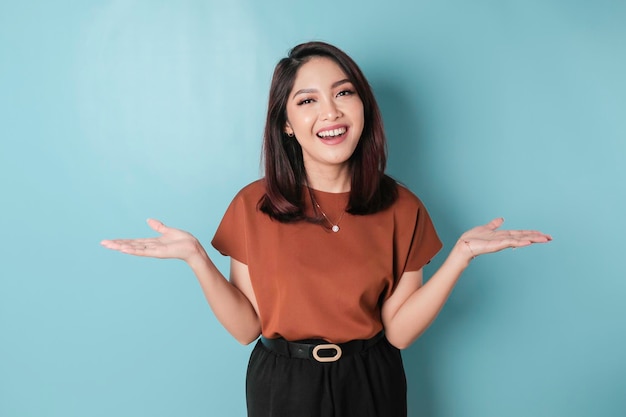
(115, 111)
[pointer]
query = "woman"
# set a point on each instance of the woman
(326, 251)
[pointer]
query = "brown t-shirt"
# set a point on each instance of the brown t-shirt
(310, 282)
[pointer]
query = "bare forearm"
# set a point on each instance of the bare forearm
(423, 306)
(230, 306)
(419, 309)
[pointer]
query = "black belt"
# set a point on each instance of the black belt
(320, 351)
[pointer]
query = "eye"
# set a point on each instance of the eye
(345, 93)
(305, 101)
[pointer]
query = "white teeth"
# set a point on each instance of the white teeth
(331, 133)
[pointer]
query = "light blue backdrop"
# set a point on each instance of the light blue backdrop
(114, 111)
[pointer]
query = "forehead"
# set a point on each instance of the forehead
(318, 72)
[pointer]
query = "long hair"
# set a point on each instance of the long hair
(371, 190)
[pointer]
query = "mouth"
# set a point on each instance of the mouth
(332, 134)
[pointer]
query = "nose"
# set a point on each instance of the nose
(329, 110)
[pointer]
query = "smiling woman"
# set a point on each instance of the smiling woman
(326, 251)
(325, 115)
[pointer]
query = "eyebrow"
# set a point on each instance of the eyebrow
(313, 90)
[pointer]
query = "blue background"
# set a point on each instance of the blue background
(115, 111)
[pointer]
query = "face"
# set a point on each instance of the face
(325, 114)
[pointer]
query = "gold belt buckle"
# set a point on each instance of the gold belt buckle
(319, 358)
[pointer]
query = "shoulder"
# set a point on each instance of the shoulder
(247, 198)
(253, 191)
(407, 200)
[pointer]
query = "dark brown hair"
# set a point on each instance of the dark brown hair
(371, 190)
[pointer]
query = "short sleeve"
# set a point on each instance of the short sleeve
(417, 241)
(230, 237)
(425, 242)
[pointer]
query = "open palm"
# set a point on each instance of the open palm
(172, 243)
(488, 239)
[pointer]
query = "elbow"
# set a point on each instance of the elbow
(395, 341)
(247, 337)
(398, 340)
(400, 344)
(245, 341)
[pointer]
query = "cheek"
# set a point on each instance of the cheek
(359, 116)
(302, 122)
(357, 111)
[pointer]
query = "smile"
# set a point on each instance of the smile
(332, 133)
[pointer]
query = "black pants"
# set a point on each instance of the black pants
(371, 383)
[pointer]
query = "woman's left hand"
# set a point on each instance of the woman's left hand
(488, 239)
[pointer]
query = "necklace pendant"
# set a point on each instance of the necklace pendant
(335, 228)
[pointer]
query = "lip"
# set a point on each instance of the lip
(334, 140)
(327, 128)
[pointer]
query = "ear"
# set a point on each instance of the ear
(288, 130)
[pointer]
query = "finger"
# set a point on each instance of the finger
(519, 242)
(114, 244)
(146, 250)
(107, 243)
(531, 235)
(495, 223)
(122, 244)
(529, 232)
(157, 226)
(142, 248)
(521, 233)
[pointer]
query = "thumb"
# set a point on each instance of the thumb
(156, 225)
(495, 223)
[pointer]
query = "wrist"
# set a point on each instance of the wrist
(469, 248)
(462, 253)
(197, 256)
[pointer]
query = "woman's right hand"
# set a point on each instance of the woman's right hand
(173, 243)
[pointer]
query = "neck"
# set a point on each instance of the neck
(330, 181)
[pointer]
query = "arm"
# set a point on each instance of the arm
(412, 307)
(233, 303)
(229, 301)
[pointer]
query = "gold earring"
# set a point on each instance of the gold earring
(290, 134)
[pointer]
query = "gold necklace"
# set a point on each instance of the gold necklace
(333, 226)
